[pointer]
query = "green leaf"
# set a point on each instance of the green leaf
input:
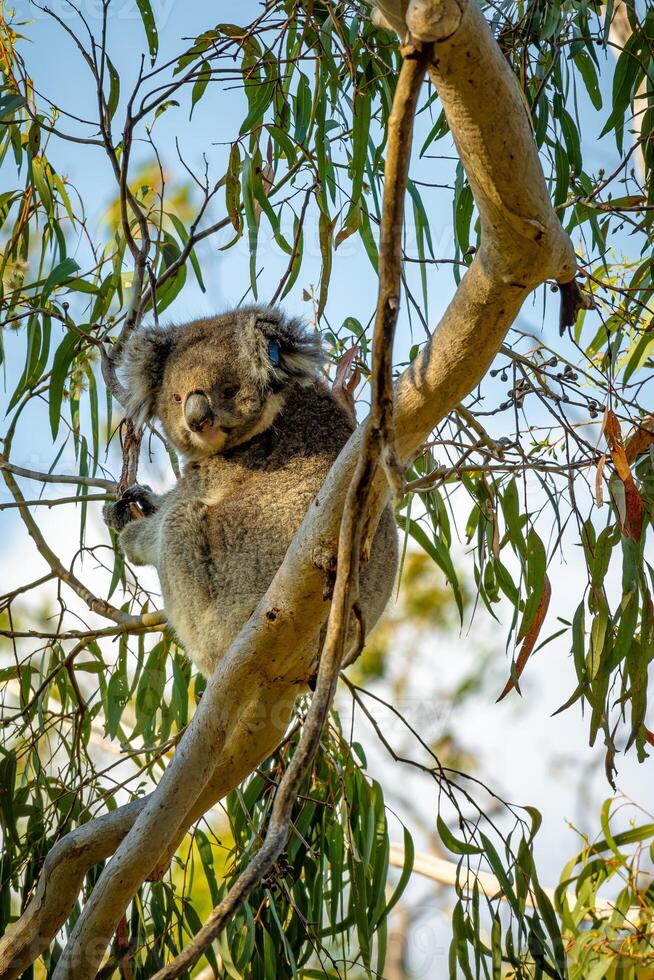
(551, 924)
(283, 143)
(62, 360)
(640, 353)
(463, 205)
(438, 552)
(116, 700)
(41, 175)
(498, 870)
(572, 141)
(302, 110)
(460, 942)
(514, 522)
(628, 71)
(452, 843)
(64, 270)
(150, 690)
(360, 132)
(325, 234)
(251, 219)
(584, 63)
(9, 104)
(150, 27)
(114, 88)
(200, 84)
(233, 187)
(195, 923)
(260, 99)
(193, 259)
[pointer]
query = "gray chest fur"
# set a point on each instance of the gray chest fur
(220, 549)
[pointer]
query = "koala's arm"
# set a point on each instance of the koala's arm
(168, 532)
(136, 516)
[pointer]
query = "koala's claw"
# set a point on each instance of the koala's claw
(142, 496)
(137, 502)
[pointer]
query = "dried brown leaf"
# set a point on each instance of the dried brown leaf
(632, 523)
(640, 439)
(529, 641)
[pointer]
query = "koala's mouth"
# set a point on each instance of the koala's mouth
(211, 434)
(209, 428)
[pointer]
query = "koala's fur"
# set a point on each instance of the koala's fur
(267, 432)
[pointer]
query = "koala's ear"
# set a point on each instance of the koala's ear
(142, 366)
(289, 349)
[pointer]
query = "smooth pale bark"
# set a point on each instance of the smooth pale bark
(233, 728)
(619, 33)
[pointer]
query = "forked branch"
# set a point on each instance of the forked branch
(522, 245)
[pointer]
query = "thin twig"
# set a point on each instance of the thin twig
(54, 501)
(97, 605)
(84, 481)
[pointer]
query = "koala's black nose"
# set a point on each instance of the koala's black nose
(197, 411)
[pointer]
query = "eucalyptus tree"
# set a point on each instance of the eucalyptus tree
(517, 91)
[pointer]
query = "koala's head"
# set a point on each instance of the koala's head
(218, 382)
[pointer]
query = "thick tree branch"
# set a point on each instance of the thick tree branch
(238, 718)
(379, 442)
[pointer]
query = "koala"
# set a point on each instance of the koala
(241, 398)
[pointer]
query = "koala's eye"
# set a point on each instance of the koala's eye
(177, 398)
(230, 391)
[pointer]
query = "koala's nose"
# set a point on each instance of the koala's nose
(197, 411)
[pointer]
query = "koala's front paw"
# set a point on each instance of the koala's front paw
(137, 502)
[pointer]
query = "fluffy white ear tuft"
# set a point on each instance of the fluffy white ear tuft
(142, 366)
(289, 348)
